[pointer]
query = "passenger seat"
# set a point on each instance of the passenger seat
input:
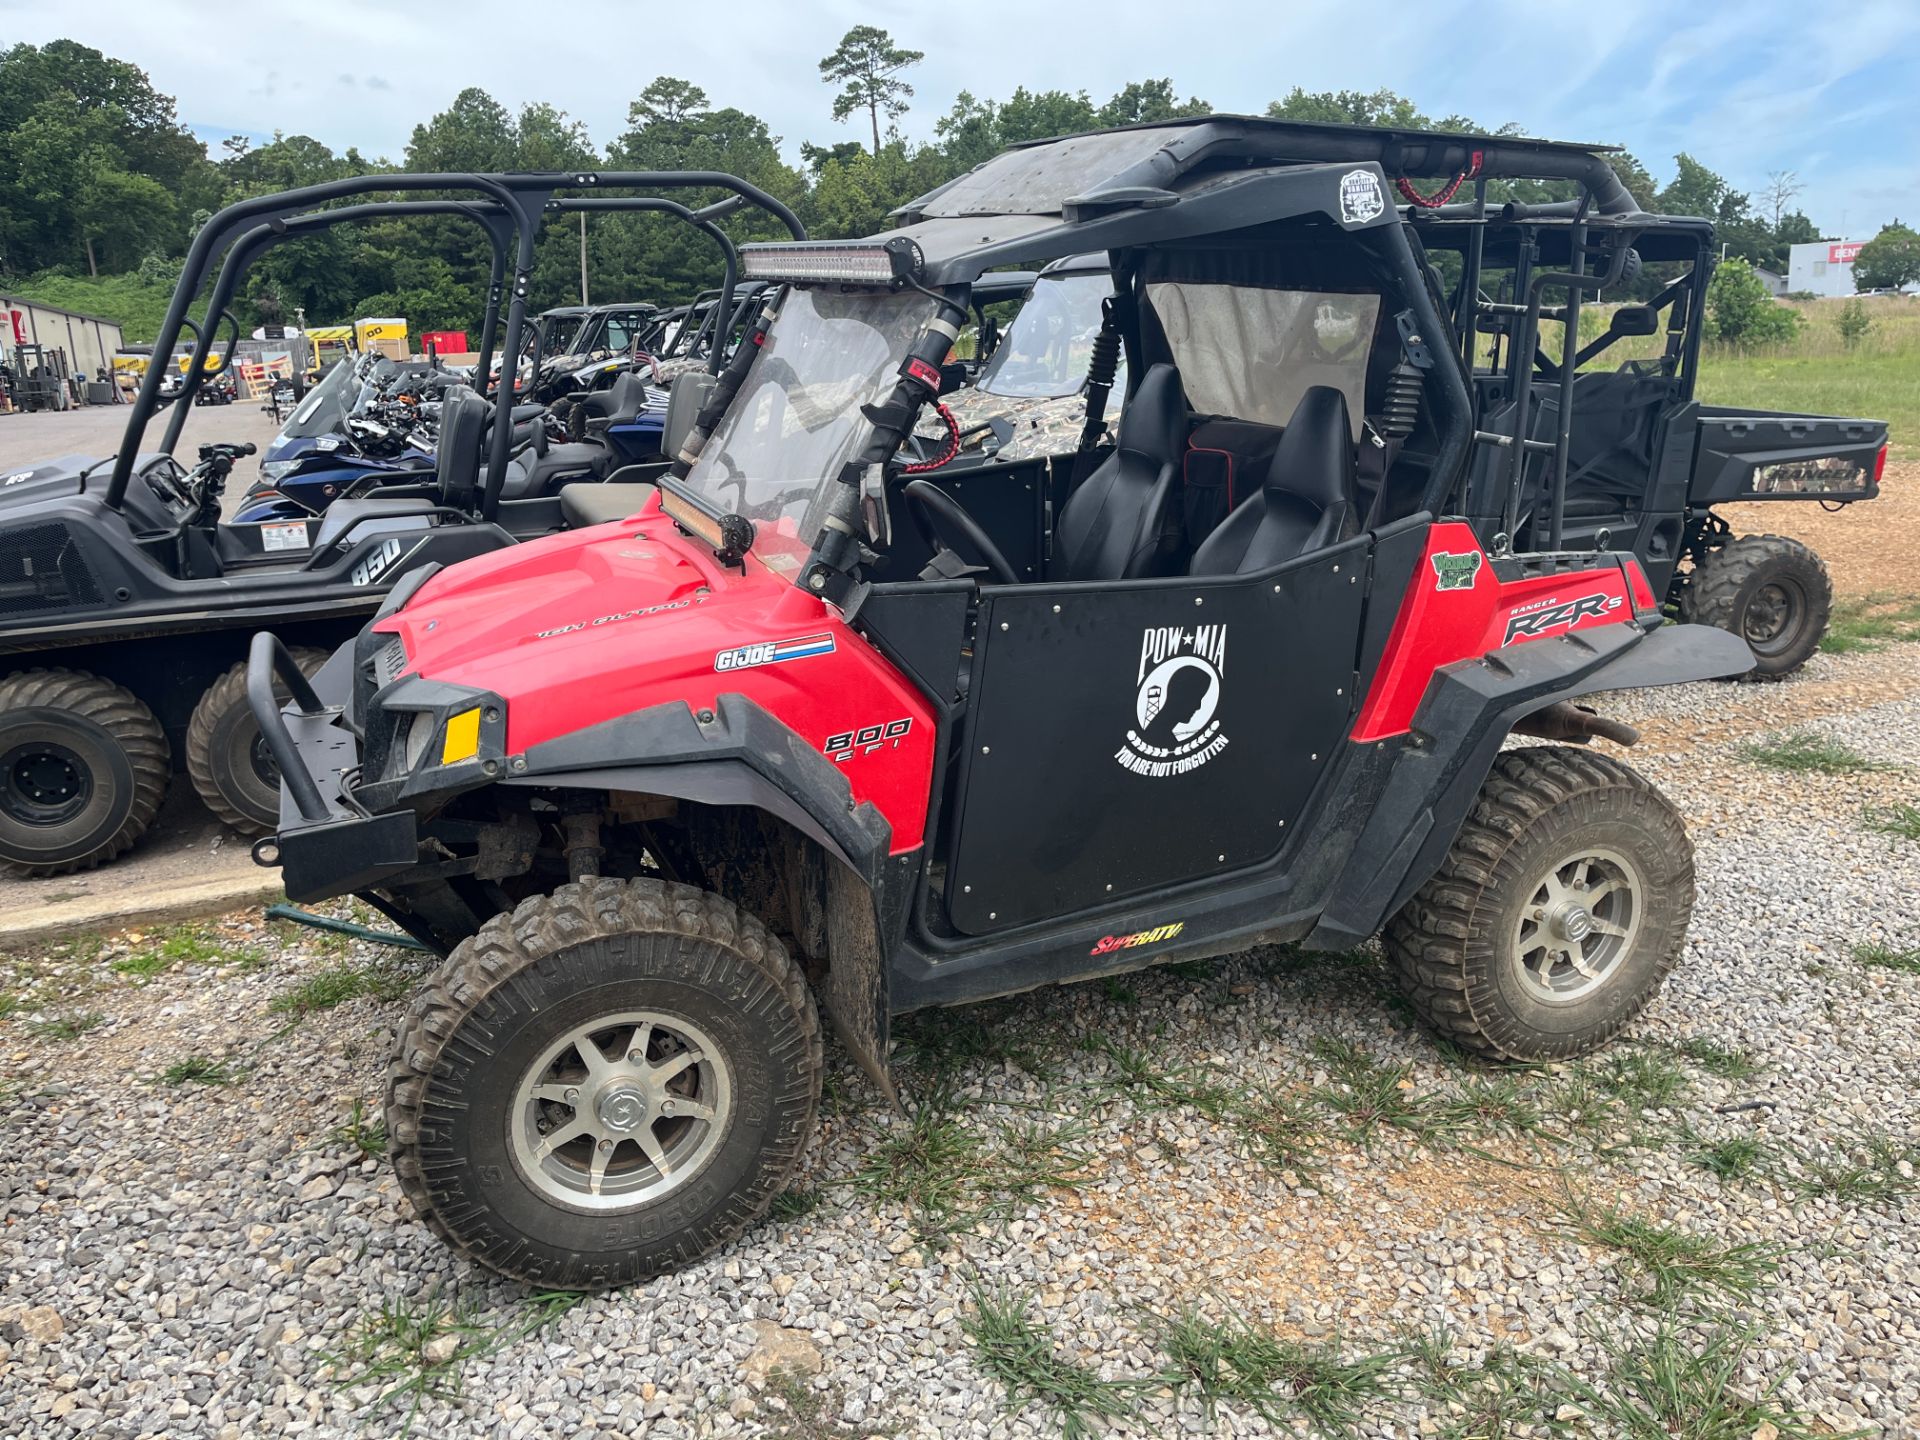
(1307, 502)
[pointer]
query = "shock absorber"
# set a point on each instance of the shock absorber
(1102, 366)
(1400, 407)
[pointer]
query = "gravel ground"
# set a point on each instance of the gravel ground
(213, 1259)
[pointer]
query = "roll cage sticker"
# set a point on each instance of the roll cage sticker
(1361, 198)
(1107, 944)
(1545, 616)
(773, 652)
(1176, 701)
(1456, 572)
(867, 739)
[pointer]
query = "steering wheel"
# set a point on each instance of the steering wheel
(935, 507)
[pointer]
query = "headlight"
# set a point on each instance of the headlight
(272, 470)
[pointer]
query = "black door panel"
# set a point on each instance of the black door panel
(1128, 736)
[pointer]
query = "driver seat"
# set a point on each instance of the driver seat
(1120, 524)
(1309, 500)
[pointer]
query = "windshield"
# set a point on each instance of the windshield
(324, 410)
(556, 334)
(1046, 351)
(796, 421)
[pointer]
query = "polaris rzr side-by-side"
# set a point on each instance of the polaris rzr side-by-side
(666, 789)
(126, 600)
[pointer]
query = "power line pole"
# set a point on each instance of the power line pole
(583, 259)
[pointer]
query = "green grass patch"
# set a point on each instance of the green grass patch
(369, 1137)
(9, 1002)
(339, 984)
(199, 1070)
(1870, 623)
(1489, 1105)
(182, 945)
(1152, 1084)
(945, 1174)
(1688, 1382)
(413, 1350)
(1234, 1362)
(1506, 1391)
(1900, 821)
(1736, 1157)
(1803, 752)
(1885, 957)
(1675, 1266)
(1871, 1168)
(1280, 1130)
(1642, 1079)
(68, 1027)
(941, 1044)
(1020, 1353)
(1723, 1061)
(794, 1203)
(1369, 1095)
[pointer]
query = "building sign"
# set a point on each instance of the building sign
(1844, 252)
(19, 318)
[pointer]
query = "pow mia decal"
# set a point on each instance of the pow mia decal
(1176, 701)
(1360, 197)
(1456, 572)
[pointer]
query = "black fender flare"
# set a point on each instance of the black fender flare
(741, 755)
(1469, 710)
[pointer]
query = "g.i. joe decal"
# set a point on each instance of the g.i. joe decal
(1176, 702)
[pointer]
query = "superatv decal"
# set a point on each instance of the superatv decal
(618, 615)
(773, 652)
(867, 739)
(1547, 616)
(1456, 572)
(1176, 701)
(1107, 944)
(378, 563)
(1360, 197)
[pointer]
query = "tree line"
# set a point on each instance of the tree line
(98, 177)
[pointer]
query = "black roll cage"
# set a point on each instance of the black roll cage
(521, 198)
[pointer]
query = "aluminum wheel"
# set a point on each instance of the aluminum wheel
(1579, 924)
(621, 1111)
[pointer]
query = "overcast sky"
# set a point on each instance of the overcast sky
(1748, 88)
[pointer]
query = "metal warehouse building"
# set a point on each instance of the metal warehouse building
(88, 340)
(1824, 267)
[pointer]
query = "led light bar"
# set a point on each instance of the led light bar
(833, 262)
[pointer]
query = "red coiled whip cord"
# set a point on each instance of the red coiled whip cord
(953, 444)
(1446, 192)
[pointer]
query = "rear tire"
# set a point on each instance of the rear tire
(226, 756)
(1772, 592)
(1557, 914)
(499, 1116)
(83, 768)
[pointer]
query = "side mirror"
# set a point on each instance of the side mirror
(1635, 320)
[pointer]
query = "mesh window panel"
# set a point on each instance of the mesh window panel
(42, 569)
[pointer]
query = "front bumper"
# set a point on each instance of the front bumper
(327, 845)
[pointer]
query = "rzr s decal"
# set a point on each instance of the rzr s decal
(1535, 623)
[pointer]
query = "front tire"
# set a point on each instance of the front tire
(227, 756)
(1772, 592)
(1557, 914)
(608, 1083)
(83, 768)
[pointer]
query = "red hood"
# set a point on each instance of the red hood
(576, 629)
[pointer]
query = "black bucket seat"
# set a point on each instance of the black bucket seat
(1307, 502)
(1121, 524)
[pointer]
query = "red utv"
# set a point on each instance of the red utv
(803, 732)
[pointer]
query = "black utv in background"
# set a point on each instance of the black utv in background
(1646, 464)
